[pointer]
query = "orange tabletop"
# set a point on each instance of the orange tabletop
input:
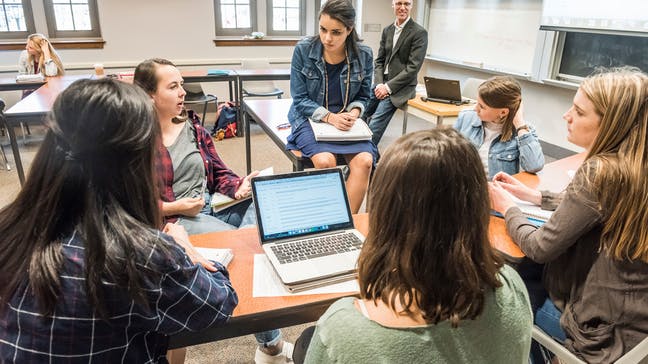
(437, 109)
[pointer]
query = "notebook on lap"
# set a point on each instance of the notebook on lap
(306, 228)
(445, 91)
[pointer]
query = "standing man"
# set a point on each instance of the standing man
(402, 50)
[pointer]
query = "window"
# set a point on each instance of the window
(287, 17)
(272, 17)
(72, 18)
(235, 17)
(16, 19)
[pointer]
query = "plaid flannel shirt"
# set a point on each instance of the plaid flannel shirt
(185, 297)
(219, 177)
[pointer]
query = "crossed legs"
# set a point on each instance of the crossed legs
(359, 170)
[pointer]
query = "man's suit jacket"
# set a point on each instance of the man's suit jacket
(404, 59)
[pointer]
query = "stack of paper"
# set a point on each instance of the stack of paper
(325, 132)
(30, 78)
(223, 256)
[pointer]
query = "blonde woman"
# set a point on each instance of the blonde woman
(595, 245)
(40, 57)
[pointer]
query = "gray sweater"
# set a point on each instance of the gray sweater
(604, 301)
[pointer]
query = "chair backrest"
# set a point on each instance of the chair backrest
(470, 87)
(258, 87)
(638, 354)
(194, 90)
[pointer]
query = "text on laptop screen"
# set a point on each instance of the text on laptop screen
(301, 205)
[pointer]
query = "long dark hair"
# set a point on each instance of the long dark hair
(92, 178)
(428, 229)
(343, 11)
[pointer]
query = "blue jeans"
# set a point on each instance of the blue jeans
(268, 338)
(378, 114)
(232, 218)
(547, 317)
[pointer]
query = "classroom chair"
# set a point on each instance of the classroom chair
(638, 354)
(470, 87)
(3, 126)
(259, 88)
(196, 95)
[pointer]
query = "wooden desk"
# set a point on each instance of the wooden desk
(32, 110)
(423, 109)
(201, 75)
(256, 314)
(10, 84)
(263, 74)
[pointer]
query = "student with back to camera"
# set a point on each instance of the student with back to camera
(432, 290)
(595, 245)
(86, 276)
(330, 82)
(498, 130)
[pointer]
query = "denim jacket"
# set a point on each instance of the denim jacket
(520, 151)
(307, 81)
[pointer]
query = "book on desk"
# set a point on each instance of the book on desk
(533, 213)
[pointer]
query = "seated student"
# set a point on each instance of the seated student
(189, 168)
(498, 130)
(40, 57)
(432, 289)
(595, 245)
(190, 171)
(330, 82)
(86, 277)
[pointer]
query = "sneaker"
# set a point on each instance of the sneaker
(285, 356)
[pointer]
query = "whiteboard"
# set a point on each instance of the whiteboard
(489, 34)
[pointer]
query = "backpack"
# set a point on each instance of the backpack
(225, 126)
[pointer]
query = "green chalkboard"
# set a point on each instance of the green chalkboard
(584, 52)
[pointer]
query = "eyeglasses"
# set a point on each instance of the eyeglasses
(402, 4)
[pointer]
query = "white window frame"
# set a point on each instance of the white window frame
(29, 24)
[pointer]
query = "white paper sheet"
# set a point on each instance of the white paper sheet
(266, 283)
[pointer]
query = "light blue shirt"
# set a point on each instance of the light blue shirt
(522, 152)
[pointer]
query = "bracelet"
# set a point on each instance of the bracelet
(522, 127)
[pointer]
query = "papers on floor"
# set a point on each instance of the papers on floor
(221, 202)
(325, 132)
(223, 256)
(30, 78)
(266, 283)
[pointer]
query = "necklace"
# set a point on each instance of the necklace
(348, 81)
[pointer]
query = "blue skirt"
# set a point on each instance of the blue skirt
(303, 139)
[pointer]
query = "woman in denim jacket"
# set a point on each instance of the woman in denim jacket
(497, 129)
(330, 82)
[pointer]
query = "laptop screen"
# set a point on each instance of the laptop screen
(438, 88)
(295, 204)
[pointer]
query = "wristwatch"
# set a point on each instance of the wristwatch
(522, 127)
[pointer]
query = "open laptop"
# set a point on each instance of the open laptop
(306, 228)
(445, 91)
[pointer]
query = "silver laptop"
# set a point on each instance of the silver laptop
(306, 228)
(445, 91)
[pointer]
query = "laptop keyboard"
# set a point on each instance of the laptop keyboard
(316, 247)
